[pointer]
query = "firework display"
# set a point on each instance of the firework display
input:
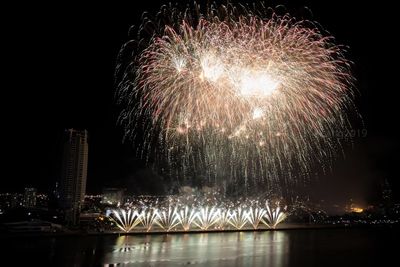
(234, 95)
(223, 217)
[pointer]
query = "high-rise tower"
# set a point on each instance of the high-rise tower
(74, 173)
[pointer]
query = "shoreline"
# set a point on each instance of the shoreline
(285, 227)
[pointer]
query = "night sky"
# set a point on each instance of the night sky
(60, 61)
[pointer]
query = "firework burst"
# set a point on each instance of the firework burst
(207, 217)
(168, 218)
(148, 218)
(234, 92)
(198, 218)
(186, 217)
(238, 218)
(255, 216)
(273, 216)
(125, 220)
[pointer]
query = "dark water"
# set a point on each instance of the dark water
(323, 247)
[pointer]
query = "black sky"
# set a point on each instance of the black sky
(60, 60)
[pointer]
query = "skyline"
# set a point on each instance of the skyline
(90, 105)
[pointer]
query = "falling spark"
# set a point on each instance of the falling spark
(208, 84)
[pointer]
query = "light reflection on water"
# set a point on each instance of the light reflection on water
(216, 249)
(318, 247)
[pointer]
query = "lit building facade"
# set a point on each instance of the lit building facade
(30, 197)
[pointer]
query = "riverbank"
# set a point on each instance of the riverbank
(282, 227)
